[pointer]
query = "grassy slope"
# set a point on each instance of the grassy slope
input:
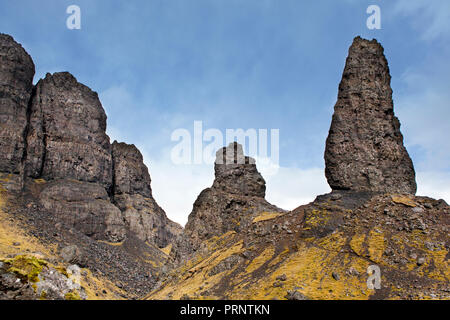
(309, 262)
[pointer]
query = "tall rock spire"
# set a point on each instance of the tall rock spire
(235, 198)
(364, 149)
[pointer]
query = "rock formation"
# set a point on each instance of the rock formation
(67, 135)
(133, 195)
(237, 174)
(364, 149)
(16, 85)
(56, 132)
(236, 196)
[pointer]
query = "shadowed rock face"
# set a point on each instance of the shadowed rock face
(364, 149)
(67, 135)
(16, 84)
(56, 131)
(86, 207)
(133, 195)
(130, 173)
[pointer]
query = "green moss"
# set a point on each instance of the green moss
(43, 295)
(63, 271)
(73, 295)
(316, 218)
(26, 267)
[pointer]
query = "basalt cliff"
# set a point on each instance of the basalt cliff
(78, 219)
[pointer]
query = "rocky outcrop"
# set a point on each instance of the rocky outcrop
(130, 173)
(133, 195)
(56, 132)
(237, 174)
(235, 198)
(67, 135)
(26, 277)
(364, 149)
(16, 84)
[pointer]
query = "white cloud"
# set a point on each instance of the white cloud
(176, 187)
(292, 187)
(430, 18)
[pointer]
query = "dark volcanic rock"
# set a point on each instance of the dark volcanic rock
(236, 173)
(236, 196)
(67, 135)
(16, 84)
(130, 173)
(85, 207)
(364, 149)
(133, 195)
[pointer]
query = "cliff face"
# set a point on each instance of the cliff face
(56, 131)
(364, 149)
(67, 134)
(133, 195)
(16, 84)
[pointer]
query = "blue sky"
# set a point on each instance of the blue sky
(159, 65)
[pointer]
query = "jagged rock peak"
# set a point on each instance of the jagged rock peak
(237, 173)
(130, 173)
(132, 194)
(16, 85)
(67, 132)
(364, 149)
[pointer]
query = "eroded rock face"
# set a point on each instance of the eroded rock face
(67, 135)
(133, 195)
(130, 173)
(364, 149)
(236, 196)
(85, 207)
(16, 84)
(237, 174)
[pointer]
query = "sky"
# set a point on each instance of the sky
(160, 65)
